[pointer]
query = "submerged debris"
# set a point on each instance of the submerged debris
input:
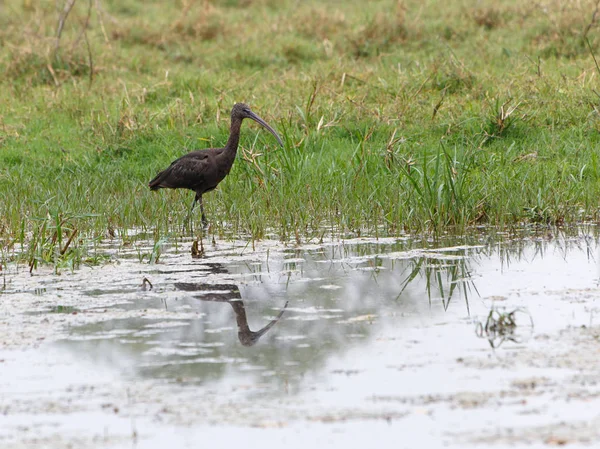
(145, 282)
(502, 326)
(63, 309)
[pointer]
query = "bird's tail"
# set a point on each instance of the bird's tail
(155, 184)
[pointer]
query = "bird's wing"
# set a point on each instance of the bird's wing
(186, 172)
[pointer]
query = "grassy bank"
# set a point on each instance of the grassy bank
(397, 116)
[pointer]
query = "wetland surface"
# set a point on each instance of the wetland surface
(491, 340)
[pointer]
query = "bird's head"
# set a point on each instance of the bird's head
(241, 111)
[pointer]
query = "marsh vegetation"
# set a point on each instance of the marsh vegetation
(405, 116)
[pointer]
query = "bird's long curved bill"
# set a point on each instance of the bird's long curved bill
(260, 121)
(255, 336)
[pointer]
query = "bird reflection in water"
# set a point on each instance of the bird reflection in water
(230, 293)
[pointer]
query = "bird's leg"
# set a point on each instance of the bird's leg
(204, 225)
(189, 216)
(204, 220)
(196, 198)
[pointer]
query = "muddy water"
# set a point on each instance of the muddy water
(488, 340)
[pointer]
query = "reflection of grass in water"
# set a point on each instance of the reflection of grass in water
(444, 276)
(501, 326)
(535, 243)
(447, 276)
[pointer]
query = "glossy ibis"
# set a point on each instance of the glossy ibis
(202, 170)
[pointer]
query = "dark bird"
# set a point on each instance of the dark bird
(202, 170)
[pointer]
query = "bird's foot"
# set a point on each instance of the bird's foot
(197, 252)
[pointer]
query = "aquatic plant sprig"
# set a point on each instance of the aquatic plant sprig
(54, 241)
(501, 326)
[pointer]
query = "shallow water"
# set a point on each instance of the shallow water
(323, 343)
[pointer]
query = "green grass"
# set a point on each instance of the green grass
(402, 116)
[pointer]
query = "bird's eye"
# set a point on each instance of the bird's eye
(246, 110)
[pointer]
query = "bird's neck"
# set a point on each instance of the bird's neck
(234, 136)
(240, 316)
